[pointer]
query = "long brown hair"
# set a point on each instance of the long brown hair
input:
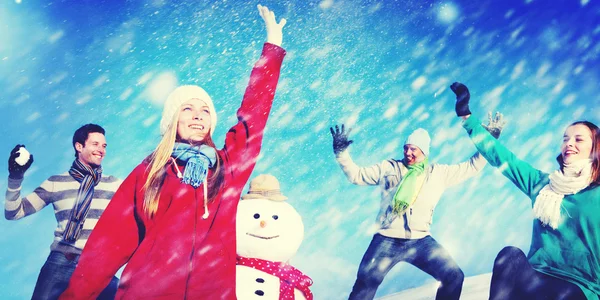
(157, 166)
(595, 151)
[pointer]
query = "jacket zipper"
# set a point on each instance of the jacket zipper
(408, 217)
(191, 265)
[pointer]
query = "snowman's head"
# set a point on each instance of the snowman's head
(269, 230)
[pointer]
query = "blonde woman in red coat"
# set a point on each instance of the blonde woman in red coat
(172, 221)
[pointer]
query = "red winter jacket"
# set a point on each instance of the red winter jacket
(177, 254)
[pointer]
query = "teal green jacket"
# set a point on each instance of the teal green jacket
(572, 251)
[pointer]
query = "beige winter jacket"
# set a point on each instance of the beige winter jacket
(415, 223)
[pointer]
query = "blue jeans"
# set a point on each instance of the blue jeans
(426, 254)
(55, 275)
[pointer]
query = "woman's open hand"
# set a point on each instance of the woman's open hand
(274, 29)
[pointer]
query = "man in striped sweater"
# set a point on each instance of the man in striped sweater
(79, 197)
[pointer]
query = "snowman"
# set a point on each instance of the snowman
(269, 232)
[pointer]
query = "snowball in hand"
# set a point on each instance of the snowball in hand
(23, 156)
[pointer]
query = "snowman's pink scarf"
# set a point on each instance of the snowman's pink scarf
(289, 277)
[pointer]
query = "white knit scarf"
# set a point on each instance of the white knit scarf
(575, 177)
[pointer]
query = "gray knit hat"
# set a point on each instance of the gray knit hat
(181, 95)
(419, 138)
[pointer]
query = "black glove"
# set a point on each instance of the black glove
(15, 170)
(340, 139)
(462, 99)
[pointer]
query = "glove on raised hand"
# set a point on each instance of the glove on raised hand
(495, 124)
(15, 170)
(340, 139)
(462, 99)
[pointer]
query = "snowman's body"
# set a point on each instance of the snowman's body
(254, 284)
(270, 231)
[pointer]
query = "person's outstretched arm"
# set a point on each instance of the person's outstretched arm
(243, 141)
(355, 174)
(16, 207)
(455, 174)
(523, 175)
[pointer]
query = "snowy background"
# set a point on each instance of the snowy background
(381, 67)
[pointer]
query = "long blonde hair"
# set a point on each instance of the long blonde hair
(157, 165)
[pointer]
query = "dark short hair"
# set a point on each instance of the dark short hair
(81, 135)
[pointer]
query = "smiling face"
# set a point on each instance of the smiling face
(93, 151)
(193, 124)
(413, 154)
(269, 230)
(577, 143)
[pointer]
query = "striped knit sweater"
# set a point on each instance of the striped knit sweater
(60, 191)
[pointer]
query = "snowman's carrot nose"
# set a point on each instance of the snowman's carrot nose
(263, 224)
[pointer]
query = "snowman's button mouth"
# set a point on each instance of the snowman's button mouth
(262, 237)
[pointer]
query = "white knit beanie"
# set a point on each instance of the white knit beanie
(419, 138)
(181, 95)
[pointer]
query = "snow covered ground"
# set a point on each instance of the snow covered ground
(474, 288)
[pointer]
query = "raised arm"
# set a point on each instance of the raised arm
(355, 174)
(112, 242)
(458, 173)
(243, 141)
(523, 175)
(16, 207)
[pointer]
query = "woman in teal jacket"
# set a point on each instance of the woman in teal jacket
(564, 258)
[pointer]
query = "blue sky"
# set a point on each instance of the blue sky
(381, 67)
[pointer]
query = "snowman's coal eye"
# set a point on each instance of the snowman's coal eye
(256, 216)
(275, 217)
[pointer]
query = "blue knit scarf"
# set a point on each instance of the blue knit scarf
(197, 162)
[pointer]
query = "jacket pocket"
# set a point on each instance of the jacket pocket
(420, 218)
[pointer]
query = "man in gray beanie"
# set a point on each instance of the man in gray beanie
(410, 190)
